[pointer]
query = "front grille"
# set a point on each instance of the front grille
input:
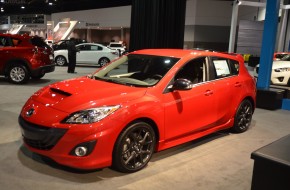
(40, 137)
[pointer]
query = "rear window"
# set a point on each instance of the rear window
(39, 42)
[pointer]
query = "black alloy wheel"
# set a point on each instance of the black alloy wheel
(134, 148)
(243, 117)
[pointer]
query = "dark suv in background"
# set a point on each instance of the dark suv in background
(24, 57)
(62, 44)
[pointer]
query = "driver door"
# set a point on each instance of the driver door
(190, 111)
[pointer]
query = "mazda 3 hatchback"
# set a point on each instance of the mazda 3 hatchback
(145, 101)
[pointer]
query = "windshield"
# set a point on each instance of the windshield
(136, 70)
(286, 58)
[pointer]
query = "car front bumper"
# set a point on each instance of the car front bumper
(58, 143)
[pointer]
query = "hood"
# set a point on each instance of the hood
(281, 64)
(84, 93)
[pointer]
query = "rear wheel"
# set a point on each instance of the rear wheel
(134, 148)
(60, 60)
(103, 61)
(243, 117)
(18, 74)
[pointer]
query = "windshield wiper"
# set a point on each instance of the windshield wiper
(112, 80)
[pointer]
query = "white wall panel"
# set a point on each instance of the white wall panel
(107, 17)
(214, 13)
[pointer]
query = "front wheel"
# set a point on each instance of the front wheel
(18, 74)
(134, 148)
(243, 117)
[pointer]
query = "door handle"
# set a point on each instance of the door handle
(238, 84)
(208, 92)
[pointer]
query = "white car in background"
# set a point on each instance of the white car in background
(89, 54)
(119, 46)
(280, 72)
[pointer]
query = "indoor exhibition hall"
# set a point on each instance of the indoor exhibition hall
(145, 94)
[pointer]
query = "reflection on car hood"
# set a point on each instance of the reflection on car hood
(83, 93)
(280, 64)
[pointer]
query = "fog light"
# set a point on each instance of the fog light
(81, 151)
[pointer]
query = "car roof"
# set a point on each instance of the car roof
(90, 44)
(179, 53)
(22, 36)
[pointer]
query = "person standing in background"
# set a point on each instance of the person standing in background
(72, 55)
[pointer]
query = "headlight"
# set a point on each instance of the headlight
(91, 115)
(282, 69)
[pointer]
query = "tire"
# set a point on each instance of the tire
(243, 117)
(18, 74)
(38, 76)
(134, 148)
(103, 61)
(60, 60)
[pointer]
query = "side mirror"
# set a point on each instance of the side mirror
(182, 84)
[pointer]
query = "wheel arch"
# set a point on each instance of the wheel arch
(251, 100)
(18, 61)
(104, 57)
(147, 120)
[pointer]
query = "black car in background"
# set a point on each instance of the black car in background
(62, 44)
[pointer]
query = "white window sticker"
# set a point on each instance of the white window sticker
(221, 67)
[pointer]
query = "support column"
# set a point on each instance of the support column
(233, 27)
(282, 36)
(268, 43)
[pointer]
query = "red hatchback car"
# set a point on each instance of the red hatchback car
(24, 57)
(145, 101)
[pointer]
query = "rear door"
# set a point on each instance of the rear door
(227, 87)
(89, 54)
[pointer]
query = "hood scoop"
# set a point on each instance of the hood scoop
(60, 92)
(53, 96)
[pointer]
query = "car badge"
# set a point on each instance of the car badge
(29, 112)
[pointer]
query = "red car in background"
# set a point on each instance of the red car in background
(24, 57)
(145, 101)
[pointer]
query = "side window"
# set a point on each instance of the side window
(235, 67)
(225, 67)
(4, 41)
(84, 48)
(96, 48)
(194, 71)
